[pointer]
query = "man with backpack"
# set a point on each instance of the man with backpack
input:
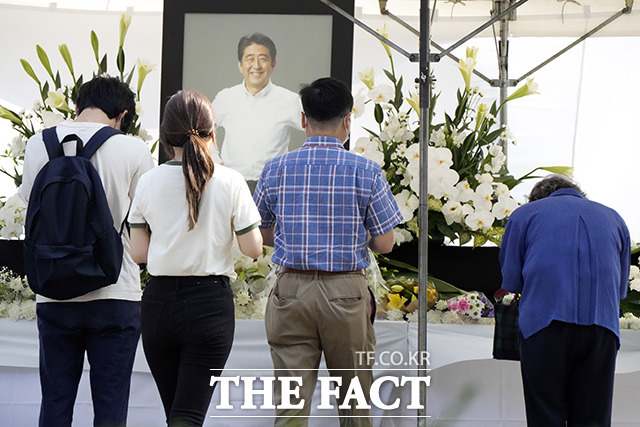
(103, 318)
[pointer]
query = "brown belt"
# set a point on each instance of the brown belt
(319, 272)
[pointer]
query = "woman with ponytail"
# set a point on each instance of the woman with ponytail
(183, 219)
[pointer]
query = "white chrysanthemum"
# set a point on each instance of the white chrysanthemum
(395, 314)
(434, 316)
(259, 307)
(27, 309)
(413, 317)
(243, 297)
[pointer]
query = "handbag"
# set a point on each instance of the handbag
(505, 335)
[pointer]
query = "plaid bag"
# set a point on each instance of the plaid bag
(505, 335)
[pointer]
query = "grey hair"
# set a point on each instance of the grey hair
(551, 183)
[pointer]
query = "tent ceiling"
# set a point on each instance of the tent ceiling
(452, 19)
(535, 18)
(106, 5)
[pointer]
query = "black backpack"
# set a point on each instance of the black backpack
(71, 246)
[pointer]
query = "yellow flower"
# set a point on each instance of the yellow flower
(144, 67)
(472, 52)
(57, 100)
(466, 67)
(397, 288)
(396, 301)
(529, 88)
(414, 101)
(384, 32)
(125, 21)
(367, 77)
(9, 115)
(482, 114)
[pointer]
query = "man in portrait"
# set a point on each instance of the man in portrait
(256, 115)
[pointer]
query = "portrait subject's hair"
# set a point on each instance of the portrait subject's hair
(551, 183)
(187, 121)
(256, 38)
(110, 95)
(326, 100)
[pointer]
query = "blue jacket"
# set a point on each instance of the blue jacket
(570, 259)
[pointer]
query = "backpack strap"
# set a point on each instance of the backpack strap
(52, 143)
(98, 139)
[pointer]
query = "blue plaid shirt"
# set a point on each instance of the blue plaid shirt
(322, 200)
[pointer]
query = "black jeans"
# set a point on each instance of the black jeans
(187, 331)
(108, 331)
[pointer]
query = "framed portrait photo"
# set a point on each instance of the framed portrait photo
(200, 44)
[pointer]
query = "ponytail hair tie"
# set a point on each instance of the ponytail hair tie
(193, 132)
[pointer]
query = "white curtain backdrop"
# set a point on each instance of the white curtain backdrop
(585, 115)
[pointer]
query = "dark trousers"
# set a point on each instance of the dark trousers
(108, 331)
(567, 375)
(187, 333)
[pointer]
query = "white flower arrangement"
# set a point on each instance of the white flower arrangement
(12, 216)
(57, 99)
(469, 184)
(17, 301)
(253, 284)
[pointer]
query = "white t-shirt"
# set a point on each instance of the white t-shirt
(226, 209)
(120, 162)
(257, 128)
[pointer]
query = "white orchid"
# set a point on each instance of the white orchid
(408, 203)
(381, 93)
(442, 183)
(452, 211)
(479, 219)
(504, 207)
(465, 192)
(482, 198)
(358, 105)
(369, 149)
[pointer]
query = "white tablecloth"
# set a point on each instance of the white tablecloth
(468, 388)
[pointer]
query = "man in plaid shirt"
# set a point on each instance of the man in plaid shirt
(321, 208)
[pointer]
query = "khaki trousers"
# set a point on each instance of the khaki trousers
(311, 314)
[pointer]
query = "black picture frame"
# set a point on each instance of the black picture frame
(176, 13)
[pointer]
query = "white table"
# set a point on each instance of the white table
(467, 389)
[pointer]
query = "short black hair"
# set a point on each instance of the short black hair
(326, 99)
(551, 183)
(111, 95)
(256, 38)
